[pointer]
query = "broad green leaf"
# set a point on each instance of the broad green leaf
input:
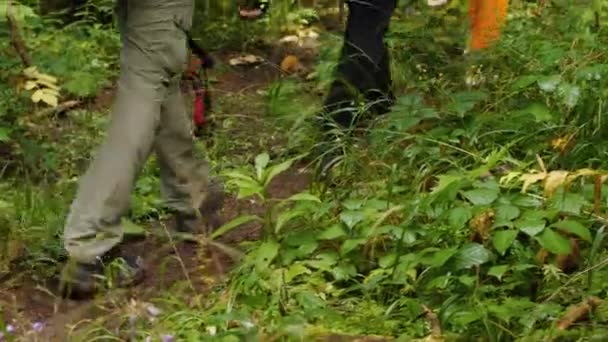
(464, 101)
(459, 217)
(351, 218)
(274, 170)
(261, 161)
(531, 227)
(309, 300)
(4, 134)
(344, 271)
(541, 112)
(524, 81)
(304, 196)
(570, 94)
(570, 203)
(287, 216)
(235, 223)
(323, 261)
(554, 242)
(333, 232)
(472, 254)
(351, 244)
(439, 258)
(498, 271)
(575, 228)
(481, 196)
(265, 254)
(503, 239)
(549, 83)
(507, 212)
(294, 271)
(387, 260)
(246, 188)
(130, 228)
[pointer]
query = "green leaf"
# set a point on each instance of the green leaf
(274, 170)
(570, 203)
(287, 216)
(481, 196)
(351, 244)
(498, 271)
(472, 254)
(304, 196)
(294, 271)
(344, 271)
(235, 223)
(440, 257)
(554, 242)
(503, 239)
(549, 83)
(4, 134)
(261, 161)
(130, 228)
(333, 232)
(570, 94)
(524, 82)
(575, 228)
(507, 213)
(464, 101)
(265, 254)
(458, 217)
(351, 218)
(529, 226)
(323, 261)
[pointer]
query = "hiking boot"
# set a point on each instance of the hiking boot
(83, 280)
(187, 222)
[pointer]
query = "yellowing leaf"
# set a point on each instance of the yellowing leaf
(49, 99)
(509, 177)
(531, 178)
(553, 180)
(37, 96)
(29, 85)
(30, 72)
(48, 84)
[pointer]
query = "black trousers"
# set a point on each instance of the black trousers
(363, 68)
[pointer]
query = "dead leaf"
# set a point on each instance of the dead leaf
(531, 178)
(568, 263)
(554, 180)
(481, 225)
(291, 64)
(246, 60)
(578, 313)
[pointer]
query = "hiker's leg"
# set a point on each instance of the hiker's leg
(148, 62)
(363, 55)
(184, 177)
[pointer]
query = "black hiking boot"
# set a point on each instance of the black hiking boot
(80, 281)
(209, 210)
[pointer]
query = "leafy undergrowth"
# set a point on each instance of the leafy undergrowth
(473, 211)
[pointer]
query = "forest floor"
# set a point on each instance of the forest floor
(168, 262)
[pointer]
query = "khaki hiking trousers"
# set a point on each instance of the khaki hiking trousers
(148, 116)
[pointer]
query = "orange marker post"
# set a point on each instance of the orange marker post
(486, 18)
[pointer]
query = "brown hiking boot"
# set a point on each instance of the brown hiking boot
(209, 210)
(82, 280)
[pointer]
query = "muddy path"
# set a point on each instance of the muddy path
(170, 265)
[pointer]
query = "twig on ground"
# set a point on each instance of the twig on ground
(433, 320)
(578, 312)
(62, 107)
(16, 39)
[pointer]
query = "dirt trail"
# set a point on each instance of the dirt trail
(168, 265)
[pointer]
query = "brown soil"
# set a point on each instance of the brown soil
(169, 265)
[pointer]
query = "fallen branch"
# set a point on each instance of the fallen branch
(578, 313)
(433, 320)
(62, 107)
(16, 40)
